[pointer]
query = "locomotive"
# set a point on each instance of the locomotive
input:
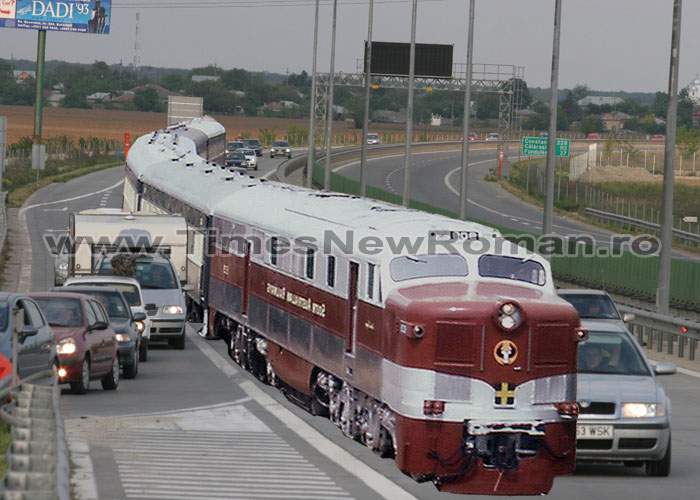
(429, 340)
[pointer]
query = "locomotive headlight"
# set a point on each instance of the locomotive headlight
(510, 316)
(642, 410)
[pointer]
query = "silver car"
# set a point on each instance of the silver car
(595, 306)
(625, 413)
(162, 292)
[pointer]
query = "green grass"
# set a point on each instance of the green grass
(4, 445)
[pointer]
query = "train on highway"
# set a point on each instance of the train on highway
(430, 340)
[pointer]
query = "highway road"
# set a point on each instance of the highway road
(193, 426)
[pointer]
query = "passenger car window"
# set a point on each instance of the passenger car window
(100, 312)
(91, 317)
(31, 313)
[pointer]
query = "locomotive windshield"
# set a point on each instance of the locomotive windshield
(410, 267)
(512, 268)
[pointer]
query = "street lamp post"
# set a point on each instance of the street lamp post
(329, 118)
(311, 157)
(409, 109)
(547, 221)
(463, 192)
(368, 84)
(663, 294)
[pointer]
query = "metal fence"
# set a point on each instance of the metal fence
(665, 334)
(631, 222)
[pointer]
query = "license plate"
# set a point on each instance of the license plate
(594, 431)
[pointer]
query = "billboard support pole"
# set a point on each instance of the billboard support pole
(463, 192)
(547, 220)
(409, 110)
(329, 119)
(311, 157)
(39, 97)
(368, 84)
(663, 294)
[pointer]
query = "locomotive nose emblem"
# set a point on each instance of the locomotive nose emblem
(505, 352)
(505, 394)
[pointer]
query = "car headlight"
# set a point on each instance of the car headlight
(66, 346)
(140, 326)
(172, 309)
(287, 150)
(122, 337)
(642, 410)
(63, 266)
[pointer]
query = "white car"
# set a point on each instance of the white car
(131, 289)
(493, 137)
(281, 148)
(373, 139)
(251, 157)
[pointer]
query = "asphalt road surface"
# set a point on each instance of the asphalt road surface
(193, 426)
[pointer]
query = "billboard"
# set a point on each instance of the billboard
(74, 16)
(389, 58)
(182, 108)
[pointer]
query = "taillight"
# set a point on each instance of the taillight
(567, 409)
(433, 408)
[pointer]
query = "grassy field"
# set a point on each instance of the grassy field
(4, 445)
(112, 124)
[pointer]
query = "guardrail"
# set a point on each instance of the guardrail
(640, 224)
(664, 334)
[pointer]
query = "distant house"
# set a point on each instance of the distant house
(694, 91)
(614, 121)
(289, 104)
(99, 97)
(238, 93)
(435, 120)
(126, 97)
(22, 76)
(162, 92)
(600, 100)
(55, 98)
(205, 78)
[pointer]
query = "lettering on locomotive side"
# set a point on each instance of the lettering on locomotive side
(292, 298)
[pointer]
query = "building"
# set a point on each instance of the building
(205, 78)
(614, 121)
(599, 100)
(99, 97)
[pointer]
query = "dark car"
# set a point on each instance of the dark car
(36, 345)
(255, 145)
(236, 159)
(86, 344)
(235, 146)
(121, 320)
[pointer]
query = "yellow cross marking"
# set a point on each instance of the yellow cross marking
(504, 393)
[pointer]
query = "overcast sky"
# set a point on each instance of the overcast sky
(608, 44)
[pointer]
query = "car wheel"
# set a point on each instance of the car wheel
(132, 369)
(110, 382)
(143, 350)
(82, 386)
(660, 468)
(178, 343)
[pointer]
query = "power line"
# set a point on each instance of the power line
(247, 4)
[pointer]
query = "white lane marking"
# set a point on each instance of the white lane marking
(64, 209)
(186, 410)
(138, 494)
(374, 480)
(66, 200)
(690, 373)
(83, 474)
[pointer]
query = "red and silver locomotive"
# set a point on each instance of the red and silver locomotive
(429, 340)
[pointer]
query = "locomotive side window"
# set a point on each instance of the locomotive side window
(410, 267)
(512, 268)
(370, 280)
(330, 271)
(310, 263)
(273, 251)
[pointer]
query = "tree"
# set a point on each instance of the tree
(689, 141)
(571, 110)
(580, 91)
(591, 124)
(487, 106)
(147, 100)
(521, 93)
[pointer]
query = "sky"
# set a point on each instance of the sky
(607, 44)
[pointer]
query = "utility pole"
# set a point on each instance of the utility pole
(311, 156)
(38, 149)
(463, 192)
(368, 87)
(663, 294)
(329, 119)
(409, 109)
(552, 138)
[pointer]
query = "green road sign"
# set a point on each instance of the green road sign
(537, 146)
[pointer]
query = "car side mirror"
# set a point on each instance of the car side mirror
(629, 317)
(665, 369)
(28, 331)
(139, 316)
(99, 325)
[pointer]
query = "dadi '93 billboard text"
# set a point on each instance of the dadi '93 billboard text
(75, 16)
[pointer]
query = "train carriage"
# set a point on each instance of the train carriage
(430, 340)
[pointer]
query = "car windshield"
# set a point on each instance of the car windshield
(66, 313)
(248, 152)
(253, 142)
(130, 292)
(512, 268)
(4, 315)
(611, 354)
(235, 156)
(372, 136)
(282, 144)
(113, 303)
(150, 275)
(411, 267)
(592, 306)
